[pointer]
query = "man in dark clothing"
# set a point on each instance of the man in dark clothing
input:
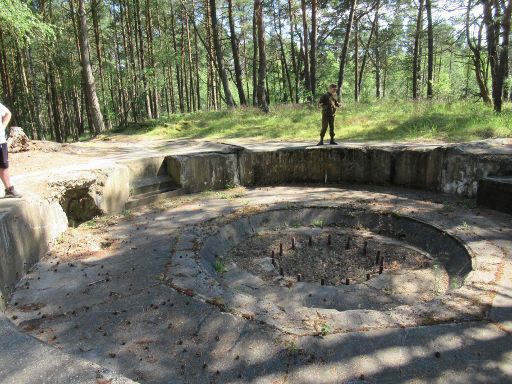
(329, 103)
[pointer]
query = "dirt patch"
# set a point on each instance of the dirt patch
(45, 155)
(331, 255)
(89, 240)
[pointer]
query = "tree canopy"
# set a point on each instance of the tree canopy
(126, 61)
(19, 19)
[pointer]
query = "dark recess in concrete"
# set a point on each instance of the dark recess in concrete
(496, 193)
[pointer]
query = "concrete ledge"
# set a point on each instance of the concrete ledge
(26, 228)
(204, 171)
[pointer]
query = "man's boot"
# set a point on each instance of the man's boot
(321, 142)
(332, 142)
(11, 192)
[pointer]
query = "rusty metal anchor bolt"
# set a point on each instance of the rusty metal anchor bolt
(310, 241)
(293, 243)
(365, 247)
(381, 269)
(347, 245)
(381, 261)
(280, 249)
(377, 258)
(329, 239)
(322, 281)
(347, 281)
(299, 277)
(367, 276)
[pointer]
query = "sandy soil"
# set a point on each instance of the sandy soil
(332, 262)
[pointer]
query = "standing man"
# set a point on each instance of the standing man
(5, 117)
(329, 103)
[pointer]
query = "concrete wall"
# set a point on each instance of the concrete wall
(26, 229)
(27, 226)
(204, 171)
(438, 168)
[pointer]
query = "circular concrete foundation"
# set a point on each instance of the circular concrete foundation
(231, 259)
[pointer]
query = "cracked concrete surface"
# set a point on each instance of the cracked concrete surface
(117, 309)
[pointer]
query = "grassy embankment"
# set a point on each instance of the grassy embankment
(388, 121)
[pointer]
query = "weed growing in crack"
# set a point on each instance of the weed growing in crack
(465, 226)
(220, 267)
(318, 223)
(291, 348)
(325, 329)
(456, 282)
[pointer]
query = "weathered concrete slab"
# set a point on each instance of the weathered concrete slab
(201, 172)
(26, 360)
(464, 167)
(155, 333)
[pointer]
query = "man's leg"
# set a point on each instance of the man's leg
(4, 172)
(4, 166)
(331, 129)
(325, 123)
(4, 176)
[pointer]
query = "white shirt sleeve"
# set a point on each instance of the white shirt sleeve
(3, 110)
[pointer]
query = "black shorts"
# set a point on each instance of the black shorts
(4, 156)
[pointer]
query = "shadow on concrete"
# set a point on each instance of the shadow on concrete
(117, 312)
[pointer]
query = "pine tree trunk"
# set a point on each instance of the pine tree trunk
(344, 50)
(179, 79)
(254, 60)
(220, 60)
(99, 53)
(313, 47)
(356, 60)
(153, 91)
(292, 49)
(236, 55)
(416, 60)
(90, 86)
(373, 31)
(377, 59)
(305, 33)
(287, 83)
(262, 68)
(430, 50)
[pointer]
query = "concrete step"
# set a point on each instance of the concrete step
(154, 196)
(495, 193)
(151, 184)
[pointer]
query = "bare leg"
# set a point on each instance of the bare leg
(4, 176)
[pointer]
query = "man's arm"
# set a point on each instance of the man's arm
(6, 115)
(6, 118)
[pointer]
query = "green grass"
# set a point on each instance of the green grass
(385, 120)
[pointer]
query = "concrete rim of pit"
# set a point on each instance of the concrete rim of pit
(192, 273)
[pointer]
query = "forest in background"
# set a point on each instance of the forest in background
(73, 68)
